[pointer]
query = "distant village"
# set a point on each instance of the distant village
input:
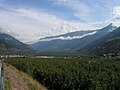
(24, 56)
(12, 56)
(109, 55)
(112, 55)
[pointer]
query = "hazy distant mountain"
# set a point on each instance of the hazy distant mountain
(8, 42)
(72, 41)
(69, 36)
(107, 44)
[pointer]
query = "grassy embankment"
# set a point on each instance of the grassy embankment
(32, 84)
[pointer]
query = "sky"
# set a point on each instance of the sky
(30, 20)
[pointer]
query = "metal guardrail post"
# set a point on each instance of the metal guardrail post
(1, 75)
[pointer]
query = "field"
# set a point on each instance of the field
(71, 74)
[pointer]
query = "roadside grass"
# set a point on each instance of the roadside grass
(32, 84)
(8, 85)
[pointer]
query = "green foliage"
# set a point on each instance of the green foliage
(105, 45)
(116, 38)
(8, 85)
(71, 74)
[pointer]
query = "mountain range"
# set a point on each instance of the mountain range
(9, 42)
(107, 44)
(72, 41)
(100, 41)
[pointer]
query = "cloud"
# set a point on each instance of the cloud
(116, 12)
(115, 16)
(80, 10)
(68, 37)
(8, 31)
(33, 24)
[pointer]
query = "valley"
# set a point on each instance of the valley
(59, 44)
(62, 74)
(81, 60)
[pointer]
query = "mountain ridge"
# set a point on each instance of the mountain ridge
(72, 44)
(7, 42)
(107, 44)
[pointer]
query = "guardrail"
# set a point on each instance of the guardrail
(1, 75)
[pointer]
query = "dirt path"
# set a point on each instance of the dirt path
(17, 82)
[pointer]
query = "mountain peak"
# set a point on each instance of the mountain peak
(112, 25)
(115, 24)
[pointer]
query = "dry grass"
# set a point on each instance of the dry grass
(8, 84)
(32, 84)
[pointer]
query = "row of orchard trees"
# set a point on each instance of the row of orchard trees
(63, 74)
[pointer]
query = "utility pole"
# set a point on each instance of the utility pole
(1, 75)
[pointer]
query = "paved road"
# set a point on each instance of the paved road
(1, 75)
